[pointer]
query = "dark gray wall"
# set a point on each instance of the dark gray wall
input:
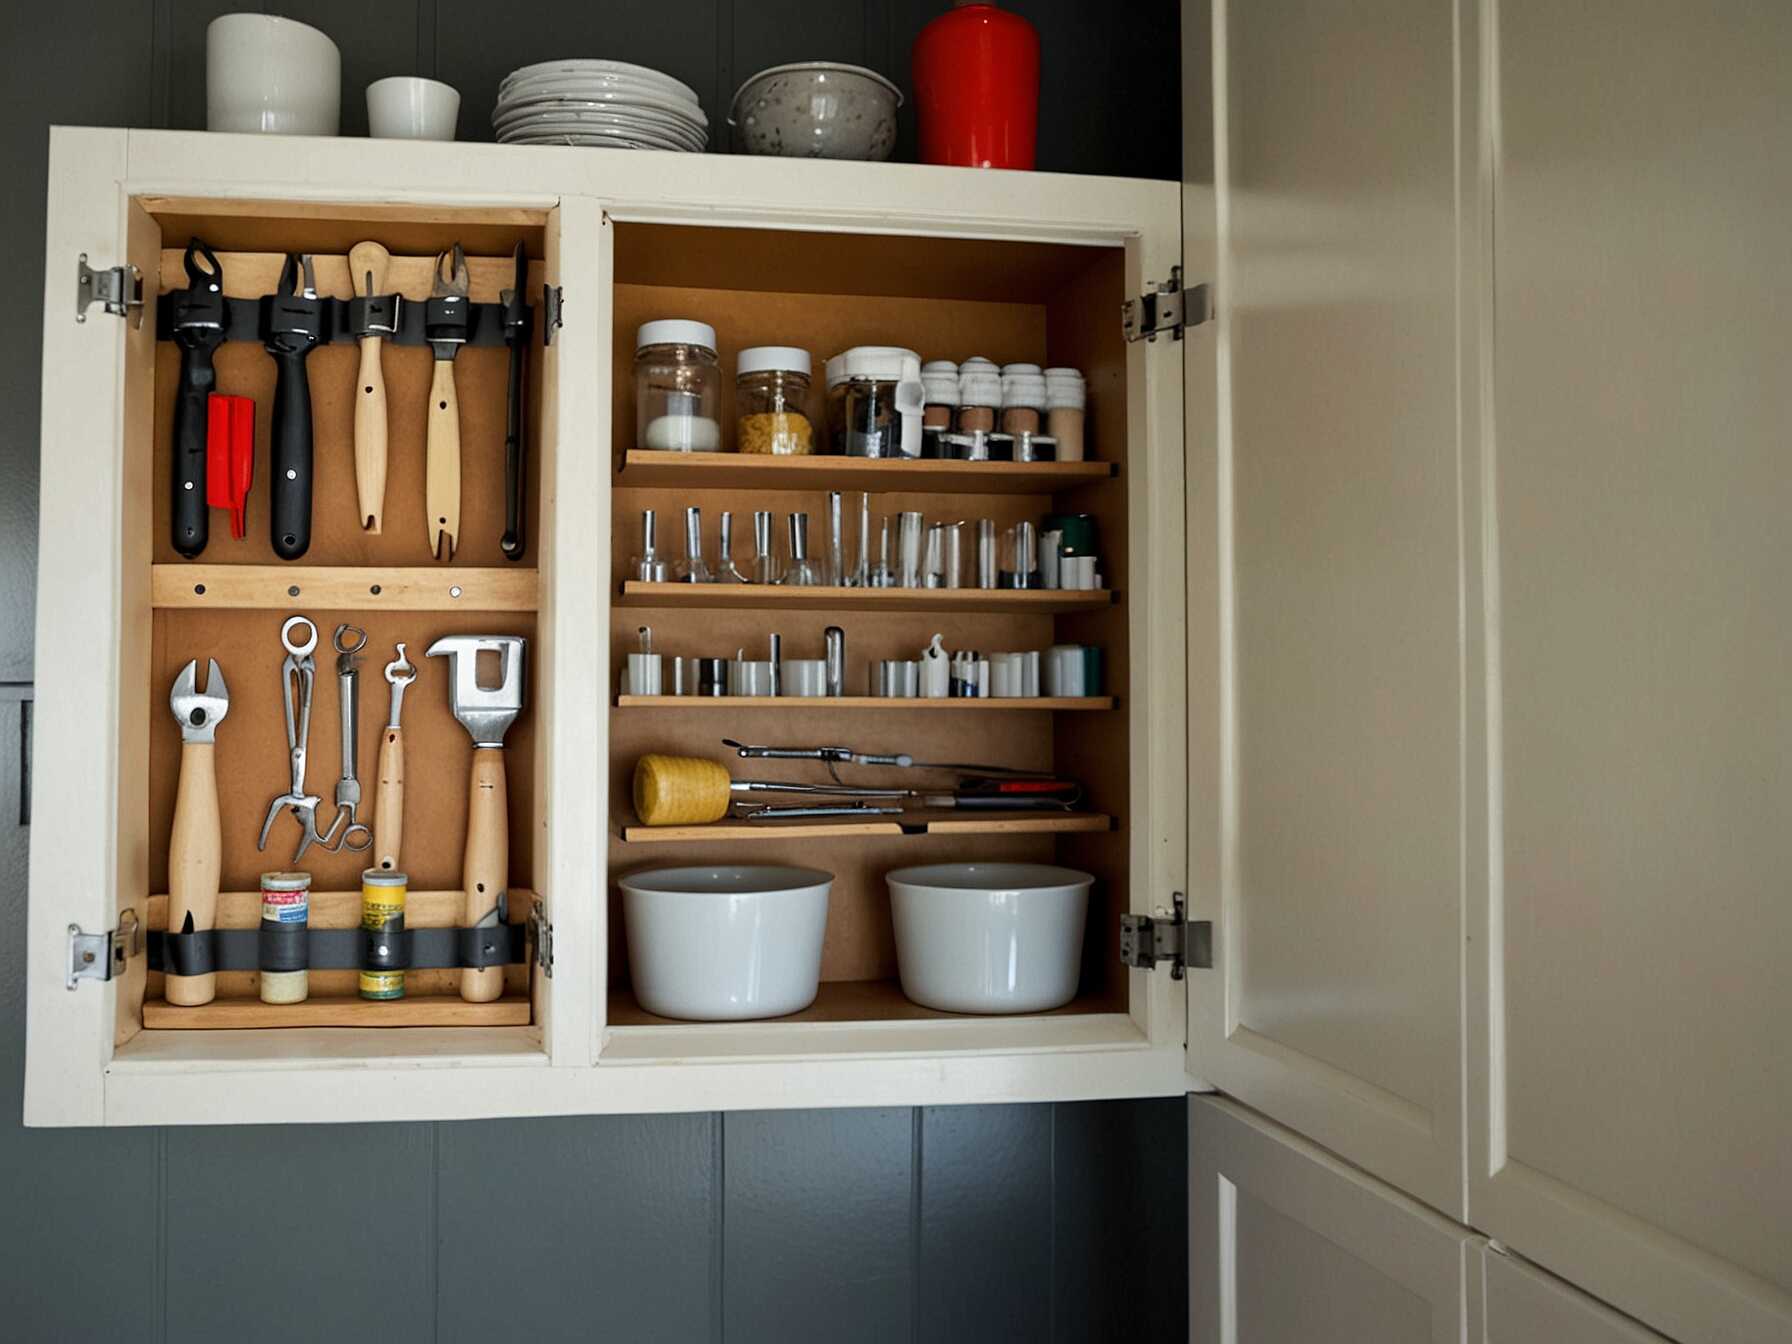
(973, 1223)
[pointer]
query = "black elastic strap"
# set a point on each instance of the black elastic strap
(485, 322)
(339, 949)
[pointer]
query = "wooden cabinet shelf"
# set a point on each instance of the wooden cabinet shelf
(343, 588)
(911, 824)
(882, 704)
(338, 1010)
(747, 596)
(742, 471)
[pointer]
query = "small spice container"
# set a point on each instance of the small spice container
(382, 914)
(283, 958)
(678, 387)
(875, 402)
(1035, 448)
(1023, 399)
(1066, 400)
(939, 385)
(979, 398)
(771, 398)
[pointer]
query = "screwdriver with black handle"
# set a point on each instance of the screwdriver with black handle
(292, 326)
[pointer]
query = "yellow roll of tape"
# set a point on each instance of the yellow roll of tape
(680, 791)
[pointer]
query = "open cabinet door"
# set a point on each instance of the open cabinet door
(1325, 615)
(97, 381)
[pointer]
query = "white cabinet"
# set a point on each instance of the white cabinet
(1287, 1244)
(1325, 427)
(1520, 1304)
(1628, 915)
(1034, 266)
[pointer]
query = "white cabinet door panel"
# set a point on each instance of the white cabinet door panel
(1631, 1066)
(1288, 1245)
(1520, 1304)
(1325, 612)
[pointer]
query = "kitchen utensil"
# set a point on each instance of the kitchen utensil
(712, 677)
(1051, 573)
(775, 646)
(834, 640)
(897, 678)
(726, 570)
(486, 714)
(722, 943)
(693, 568)
(650, 566)
(692, 791)
(986, 553)
(230, 458)
(989, 937)
(599, 103)
(933, 564)
(196, 319)
(374, 318)
(445, 322)
(833, 756)
(817, 110)
(349, 641)
(807, 677)
(883, 575)
(952, 570)
(803, 572)
(273, 75)
(908, 550)
(750, 677)
(765, 557)
(936, 678)
(861, 573)
(405, 107)
(790, 812)
(684, 675)
(195, 847)
(388, 807)
(836, 572)
(298, 682)
(644, 667)
(292, 326)
(518, 326)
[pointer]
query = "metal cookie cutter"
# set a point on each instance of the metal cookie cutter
(298, 677)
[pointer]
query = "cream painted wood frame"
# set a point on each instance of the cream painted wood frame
(569, 1063)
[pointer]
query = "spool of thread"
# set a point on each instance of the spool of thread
(285, 901)
(680, 791)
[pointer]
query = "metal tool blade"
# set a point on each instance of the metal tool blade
(199, 712)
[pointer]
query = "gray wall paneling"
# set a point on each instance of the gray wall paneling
(972, 1223)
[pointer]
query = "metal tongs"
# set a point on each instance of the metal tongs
(298, 677)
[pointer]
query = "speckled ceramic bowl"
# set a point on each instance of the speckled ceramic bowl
(817, 110)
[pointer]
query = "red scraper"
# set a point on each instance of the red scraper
(230, 457)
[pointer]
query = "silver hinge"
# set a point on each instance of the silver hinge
(553, 305)
(1167, 308)
(541, 933)
(1146, 940)
(102, 956)
(118, 288)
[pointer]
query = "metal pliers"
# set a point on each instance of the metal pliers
(298, 677)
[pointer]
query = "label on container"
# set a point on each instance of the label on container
(382, 911)
(382, 984)
(286, 907)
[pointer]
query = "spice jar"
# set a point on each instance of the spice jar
(979, 398)
(771, 398)
(1023, 399)
(875, 402)
(1066, 399)
(939, 387)
(678, 387)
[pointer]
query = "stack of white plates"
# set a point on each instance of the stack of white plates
(608, 104)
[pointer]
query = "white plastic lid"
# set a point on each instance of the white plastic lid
(978, 364)
(939, 366)
(1009, 370)
(885, 363)
(1064, 396)
(979, 388)
(1023, 389)
(1068, 375)
(675, 331)
(759, 358)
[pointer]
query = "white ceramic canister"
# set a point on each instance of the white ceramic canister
(271, 75)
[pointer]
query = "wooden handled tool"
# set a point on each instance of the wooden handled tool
(388, 807)
(446, 318)
(486, 713)
(194, 846)
(367, 265)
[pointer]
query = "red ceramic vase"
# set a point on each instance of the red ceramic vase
(976, 76)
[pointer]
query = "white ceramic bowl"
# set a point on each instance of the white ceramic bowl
(273, 75)
(725, 942)
(989, 937)
(817, 110)
(406, 107)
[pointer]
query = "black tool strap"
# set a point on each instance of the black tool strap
(295, 947)
(408, 319)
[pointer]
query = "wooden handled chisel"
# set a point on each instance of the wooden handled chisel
(194, 846)
(374, 317)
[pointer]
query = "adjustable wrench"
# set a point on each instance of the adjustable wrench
(194, 845)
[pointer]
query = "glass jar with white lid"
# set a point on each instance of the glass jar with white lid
(678, 387)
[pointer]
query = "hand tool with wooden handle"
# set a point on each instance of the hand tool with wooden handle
(445, 320)
(194, 846)
(292, 326)
(487, 715)
(197, 320)
(388, 807)
(373, 317)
